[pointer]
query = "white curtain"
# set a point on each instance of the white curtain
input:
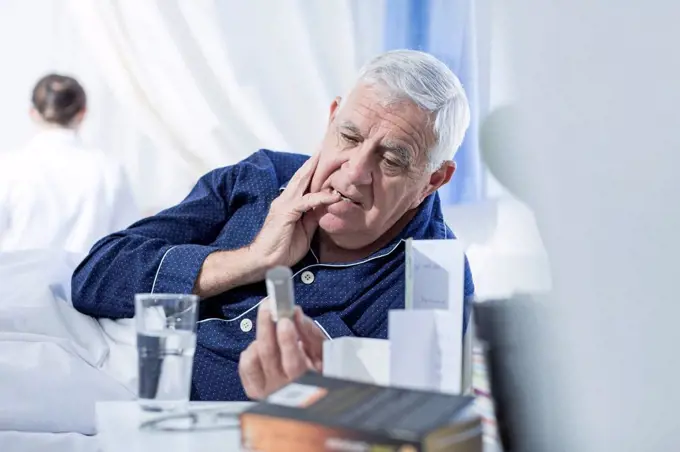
(37, 37)
(208, 82)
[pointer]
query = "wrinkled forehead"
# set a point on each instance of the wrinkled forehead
(375, 113)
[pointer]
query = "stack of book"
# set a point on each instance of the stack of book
(317, 413)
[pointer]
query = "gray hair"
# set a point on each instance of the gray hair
(427, 82)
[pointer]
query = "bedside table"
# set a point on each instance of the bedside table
(118, 430)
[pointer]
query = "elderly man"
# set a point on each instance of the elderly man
(338, 219)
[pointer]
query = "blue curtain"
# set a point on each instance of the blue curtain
(446, 29)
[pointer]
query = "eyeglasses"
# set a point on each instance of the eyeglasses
(206, 419)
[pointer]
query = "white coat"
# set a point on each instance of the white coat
(54, 193)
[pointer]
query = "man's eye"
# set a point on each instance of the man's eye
(392, 164)
(349, 139)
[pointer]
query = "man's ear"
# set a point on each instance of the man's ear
(335, 106)
(439, 178)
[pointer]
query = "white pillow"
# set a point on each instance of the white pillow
(35, 300)
(51, 356)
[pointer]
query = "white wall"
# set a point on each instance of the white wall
(598, 89)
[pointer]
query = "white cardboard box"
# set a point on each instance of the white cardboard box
(359, 359)
(427, 350)
(427, 337)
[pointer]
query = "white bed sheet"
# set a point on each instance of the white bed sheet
(13, 441)
(55, 363)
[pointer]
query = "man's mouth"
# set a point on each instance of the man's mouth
(345, 198)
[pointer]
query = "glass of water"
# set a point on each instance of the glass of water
(166, 341)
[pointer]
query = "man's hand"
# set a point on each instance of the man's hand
(281, 352)
(283, 240)
(287, 231)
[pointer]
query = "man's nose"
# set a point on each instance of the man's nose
(358, 167)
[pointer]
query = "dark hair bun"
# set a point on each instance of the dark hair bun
(58, 98)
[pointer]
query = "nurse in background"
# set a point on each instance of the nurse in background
(55, 193)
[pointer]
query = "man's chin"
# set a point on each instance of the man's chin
(332, 224)
(348, 233)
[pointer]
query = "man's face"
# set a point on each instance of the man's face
(375, 157)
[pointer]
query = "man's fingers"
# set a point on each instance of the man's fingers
(299, 318)
(299, 183)
(313, 200)
(293, 359)
(294, 209)
(310, 223)
(311, 335)
(268, 348)
(251, 373)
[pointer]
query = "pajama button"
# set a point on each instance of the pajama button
(307, 277)
(246, 325)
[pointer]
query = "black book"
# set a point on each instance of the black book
(317, 413)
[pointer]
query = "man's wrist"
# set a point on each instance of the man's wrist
(225, 270)
(253, 265)
(258, 260)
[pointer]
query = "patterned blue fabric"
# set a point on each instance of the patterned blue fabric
(224, 211)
